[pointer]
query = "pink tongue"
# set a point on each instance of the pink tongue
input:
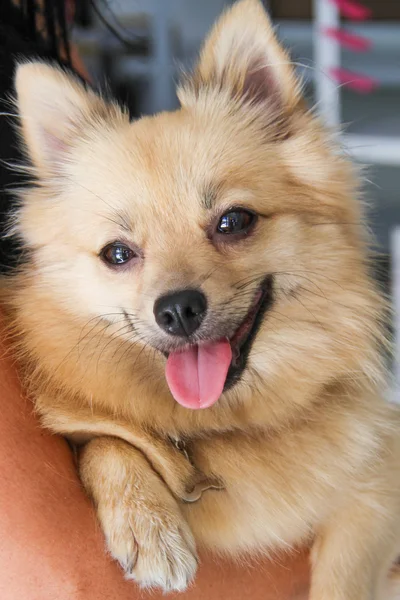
(196, 376)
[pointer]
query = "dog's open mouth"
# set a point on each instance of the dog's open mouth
(200, 373)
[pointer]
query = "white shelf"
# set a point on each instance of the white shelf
(384, 35)
(373, 149)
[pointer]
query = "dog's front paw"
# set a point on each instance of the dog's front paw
(141, 520)
(166, 554)
(153, 544)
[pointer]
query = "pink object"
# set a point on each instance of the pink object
(196, 376)
(353, 10)
(359, 83)
(349, 40)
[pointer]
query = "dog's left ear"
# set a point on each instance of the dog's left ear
(56, 112)
(242, 59)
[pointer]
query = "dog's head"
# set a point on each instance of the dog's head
(224, 235)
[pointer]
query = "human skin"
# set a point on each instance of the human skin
(50, 544)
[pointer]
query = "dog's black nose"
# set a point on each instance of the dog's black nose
(180, 313)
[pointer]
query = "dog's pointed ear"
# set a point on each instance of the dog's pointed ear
(55, 110)
(242, 58)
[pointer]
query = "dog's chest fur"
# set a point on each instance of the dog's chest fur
(280, 487)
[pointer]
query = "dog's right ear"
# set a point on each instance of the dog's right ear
(242, 59)
(55, 111)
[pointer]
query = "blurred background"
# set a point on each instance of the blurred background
(347, 51)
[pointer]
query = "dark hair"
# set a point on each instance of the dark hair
(43, 24)
(28, 30)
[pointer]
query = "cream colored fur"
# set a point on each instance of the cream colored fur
(305, 446)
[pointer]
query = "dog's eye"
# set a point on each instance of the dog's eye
(117, 253)
(236, 221)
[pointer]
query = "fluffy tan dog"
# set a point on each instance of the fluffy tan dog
(196, 311)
